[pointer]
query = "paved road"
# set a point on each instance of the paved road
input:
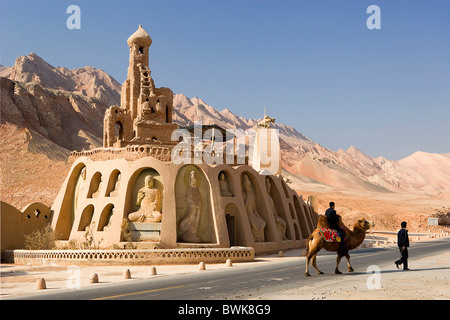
(248, 282)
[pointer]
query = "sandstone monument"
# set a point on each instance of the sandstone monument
(132, 179)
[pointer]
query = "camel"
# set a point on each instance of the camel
(266, 121)
(315, 243)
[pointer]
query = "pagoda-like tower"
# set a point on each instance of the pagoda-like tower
(132, 183)
(145, 114)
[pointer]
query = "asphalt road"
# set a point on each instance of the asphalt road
(247, 282)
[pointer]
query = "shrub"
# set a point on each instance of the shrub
(42, 239)
(126, 234)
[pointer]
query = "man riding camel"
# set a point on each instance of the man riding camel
(333, 220)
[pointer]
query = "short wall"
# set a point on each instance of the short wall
(127, 257)
(16, 224)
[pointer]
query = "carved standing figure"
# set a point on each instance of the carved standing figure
(149, 201)
(281, 224)
(223, 184)
(256, 222)
(189, 225)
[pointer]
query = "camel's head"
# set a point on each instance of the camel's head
(364, 224)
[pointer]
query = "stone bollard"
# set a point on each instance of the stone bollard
(153, 271)
(40, 284)
(386, 242)
(280, 254)
(127, 274)
(363, 245)
(229, 263)
(201, 266)
(377, 243)
(93, 278)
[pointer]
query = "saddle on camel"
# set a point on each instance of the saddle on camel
(323, 237)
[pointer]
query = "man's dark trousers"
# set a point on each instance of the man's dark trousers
(404, 258)
(403, 241)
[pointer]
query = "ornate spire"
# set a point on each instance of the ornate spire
(140, 37)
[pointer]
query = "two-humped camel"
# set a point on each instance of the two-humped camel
(354, 239)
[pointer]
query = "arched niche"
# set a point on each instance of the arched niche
(80, 190)
(195, 223)
(301, 217)
(295, 225)
(136, 183)
(225, 183)
(231, 211)
(95, 185)
(86, 217)
(66, 216)
(105, 217)
(113, 186)
(118, 130)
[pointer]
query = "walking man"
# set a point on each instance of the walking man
(403, 244)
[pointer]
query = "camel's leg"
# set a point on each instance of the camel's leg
(308, 258)
(313, 262)
(350, 269)
(313, 249)
(338, 260)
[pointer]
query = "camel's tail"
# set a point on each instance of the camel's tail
(307, 243)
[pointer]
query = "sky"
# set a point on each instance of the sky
(314, 64)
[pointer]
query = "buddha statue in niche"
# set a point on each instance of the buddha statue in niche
(256, 222)
(149, 201)
(190, 223)
(281, 224)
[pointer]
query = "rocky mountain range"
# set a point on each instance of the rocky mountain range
(48, 111)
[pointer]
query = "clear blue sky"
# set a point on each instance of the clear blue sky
(314, 64)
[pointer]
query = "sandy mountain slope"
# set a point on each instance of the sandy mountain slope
(65, 118)
(86, 81)
(434, 169)
(32, 168)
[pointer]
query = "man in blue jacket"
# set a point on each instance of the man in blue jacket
(333, 221)
(403, 244)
